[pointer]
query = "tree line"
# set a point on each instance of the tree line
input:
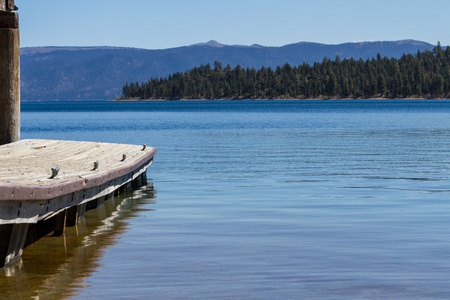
(423, 75)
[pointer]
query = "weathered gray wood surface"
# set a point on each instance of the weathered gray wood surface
(29, 162)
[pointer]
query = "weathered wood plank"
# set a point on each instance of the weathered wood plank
(29, 163)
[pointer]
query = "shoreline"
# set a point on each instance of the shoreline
(280, 99)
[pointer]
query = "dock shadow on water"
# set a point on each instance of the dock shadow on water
(57, 267)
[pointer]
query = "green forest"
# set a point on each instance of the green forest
(423, 75)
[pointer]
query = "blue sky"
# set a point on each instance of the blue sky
(159, 24)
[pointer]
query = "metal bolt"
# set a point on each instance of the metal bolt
(144, 147)
(95, 165)
(54, 172)
(124, 157)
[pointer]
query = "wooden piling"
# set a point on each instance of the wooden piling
(17, 237)
(9, 78)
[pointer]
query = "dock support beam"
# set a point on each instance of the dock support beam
(13, 241)
(60, 223)
(9, 78)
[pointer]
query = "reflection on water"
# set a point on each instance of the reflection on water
(57, 267)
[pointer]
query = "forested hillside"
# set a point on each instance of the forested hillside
(425, 75)
(98, 73)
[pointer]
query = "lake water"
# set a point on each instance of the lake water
(255, 200)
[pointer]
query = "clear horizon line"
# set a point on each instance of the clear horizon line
(220, 44)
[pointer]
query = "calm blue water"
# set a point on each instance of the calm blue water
(273, 199)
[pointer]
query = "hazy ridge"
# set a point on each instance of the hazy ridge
(98, 73)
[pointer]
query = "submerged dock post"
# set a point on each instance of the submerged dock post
(9, 73)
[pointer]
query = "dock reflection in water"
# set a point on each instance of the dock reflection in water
(56, 267)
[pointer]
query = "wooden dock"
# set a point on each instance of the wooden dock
(46, 185)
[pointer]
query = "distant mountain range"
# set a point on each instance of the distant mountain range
(99, 73)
